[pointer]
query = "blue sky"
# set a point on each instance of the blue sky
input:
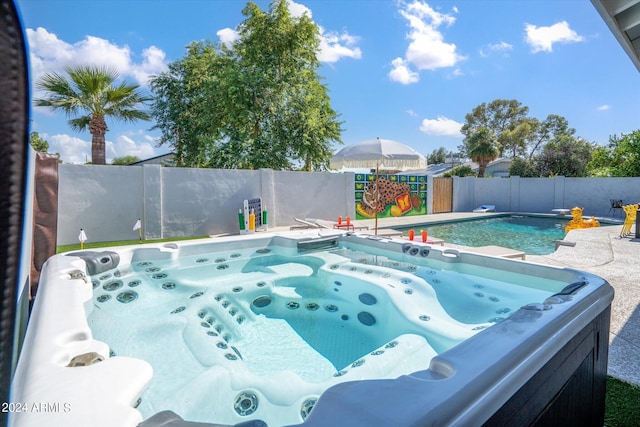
(403, 70)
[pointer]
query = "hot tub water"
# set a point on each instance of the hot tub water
(262, 332)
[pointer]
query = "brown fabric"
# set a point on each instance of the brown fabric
(45, 214)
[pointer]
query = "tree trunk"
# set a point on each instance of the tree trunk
(482, 166)
(98, 129)
(97, 149)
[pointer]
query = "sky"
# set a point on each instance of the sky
(405, 70)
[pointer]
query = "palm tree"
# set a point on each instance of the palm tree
(482, 148)
(90, 94)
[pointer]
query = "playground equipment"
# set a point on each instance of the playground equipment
(579, 222)
(632, 213)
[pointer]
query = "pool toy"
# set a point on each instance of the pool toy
(579, 222)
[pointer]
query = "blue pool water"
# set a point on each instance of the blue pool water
(530, 234)
(224, 330)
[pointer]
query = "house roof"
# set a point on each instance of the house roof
(623, 19)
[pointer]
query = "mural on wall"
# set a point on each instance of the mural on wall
(390, 195)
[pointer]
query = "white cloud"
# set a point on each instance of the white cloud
(604, 107)
(72, 149)
(298, 10)
(48, 53)
(427, 48)
(441, 126)
(401, 72)
(541, 39)
(77, 150)
(503, 47)
(228, 36)
(412, 113)
(151, 139)
(154, 62)
(335, 46)
(126, 146)
(429, 53)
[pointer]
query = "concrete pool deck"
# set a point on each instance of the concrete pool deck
(599, 251)
(602, 252)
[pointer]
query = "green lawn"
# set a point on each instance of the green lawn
(622, 404)
(92, 245)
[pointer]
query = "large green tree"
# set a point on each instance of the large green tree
(508, 121)
(551, 128)
(437, 156)
(258, 103)
(625, 154)
(566, 156)
(91, 95)
(182, 104)
(537, 148)
(525, 168)
(601, 163)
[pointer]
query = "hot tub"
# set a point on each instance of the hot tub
(308, 329)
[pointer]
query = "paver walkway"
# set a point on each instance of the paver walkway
(602, 252)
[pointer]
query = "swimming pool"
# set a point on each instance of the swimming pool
(534, 235)
(298, 328)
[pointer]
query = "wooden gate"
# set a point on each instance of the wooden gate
(442, 195)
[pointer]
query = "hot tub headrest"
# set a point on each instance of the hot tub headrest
(572, 288)
(98, 262)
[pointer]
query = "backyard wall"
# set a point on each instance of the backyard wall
(106, 201)
(542, 195)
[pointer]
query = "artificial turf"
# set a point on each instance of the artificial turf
(94, 245)
(622, 408)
